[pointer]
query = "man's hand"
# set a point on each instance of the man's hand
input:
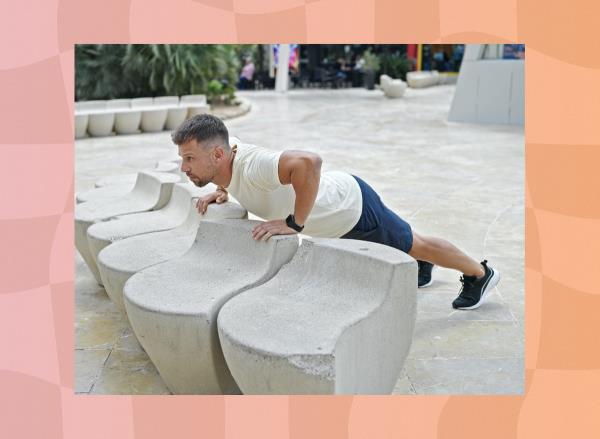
(219, 197)
(271, 228)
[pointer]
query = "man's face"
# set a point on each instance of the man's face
(198, 162)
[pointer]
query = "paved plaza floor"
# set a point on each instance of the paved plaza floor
(461, 182)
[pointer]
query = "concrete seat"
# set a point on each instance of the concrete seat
(119, 185)
(392, 88)
(174, 214)
(167, 167)
(193, 99)
(154, 118)
(175, 117)
(173, 306)
(151, 191)
(384, 81)
(101, 122)
(111, 180)
(122, 259)
(141, 102)
(81, 106)
(173, 166)
(128, 116)
(339, 318)
(195, 104)
(166, 100)
(422, 79)
(176, 113)
(107, 192)
(127, 120)
(81, 123)
(395, 89)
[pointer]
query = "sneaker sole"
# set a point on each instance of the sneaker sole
(490, 285)
(427, 284)
(430, 281)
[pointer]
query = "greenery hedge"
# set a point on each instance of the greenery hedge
(111, 71)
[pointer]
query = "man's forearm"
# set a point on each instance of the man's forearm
(305, 182)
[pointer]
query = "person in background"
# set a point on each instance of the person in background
(246, 75)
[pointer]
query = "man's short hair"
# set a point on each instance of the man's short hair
(202, 128)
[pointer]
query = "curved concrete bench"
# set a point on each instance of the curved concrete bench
(392, 88)
(151, 191)
(174, 214)
(422, 79)
(128, 116)
(111, 180)
(339, 318)
(90, 105)
(113, 186)
(384, 81)
(141, 102)
(82, 115)
(176, 113)
(195, 104)
(107, 192)
(166, 100)
(118, 185)
(154, 118)
(127, 121)
(81, 123)
(101, 122)
(173, 166)
(194, 99)
(395, 89)
(122, 259)
(173, 306)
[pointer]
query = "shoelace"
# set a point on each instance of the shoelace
(467, 284)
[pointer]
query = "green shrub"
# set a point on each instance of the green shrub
(371, 60)
(395, 65)
(127, 71)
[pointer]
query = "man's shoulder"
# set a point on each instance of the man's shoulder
(250, 151)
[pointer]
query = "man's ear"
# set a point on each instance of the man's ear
(218, 153)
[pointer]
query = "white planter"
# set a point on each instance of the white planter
(101, 123)
(154, 118)
(81, 123)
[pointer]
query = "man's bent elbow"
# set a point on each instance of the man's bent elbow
(315, 161)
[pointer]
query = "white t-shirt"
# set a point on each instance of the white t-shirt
(255, 184)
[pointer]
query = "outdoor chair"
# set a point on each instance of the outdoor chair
(173, 306)
(173, 165)
(127, 120)
(122, 259)
(339, 318)
(152, 190)
(174, 214)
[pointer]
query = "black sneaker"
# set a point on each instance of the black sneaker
(474, 291)
(425, 269)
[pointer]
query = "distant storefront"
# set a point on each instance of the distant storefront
(440, 57)
(342, 65)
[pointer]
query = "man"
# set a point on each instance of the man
(246, 75)
(289, 191)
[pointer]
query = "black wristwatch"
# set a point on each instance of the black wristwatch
(291, 223)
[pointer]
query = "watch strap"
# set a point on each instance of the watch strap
(291, 223)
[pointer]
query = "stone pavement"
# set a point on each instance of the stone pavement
(461, 182)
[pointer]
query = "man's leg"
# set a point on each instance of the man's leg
(441, 252)
(379, 224)
(478, 278)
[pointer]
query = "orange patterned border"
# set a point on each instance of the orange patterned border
(562, 218)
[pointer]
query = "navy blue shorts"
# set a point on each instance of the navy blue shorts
(379, 224)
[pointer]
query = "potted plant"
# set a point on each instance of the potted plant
(370, 67)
